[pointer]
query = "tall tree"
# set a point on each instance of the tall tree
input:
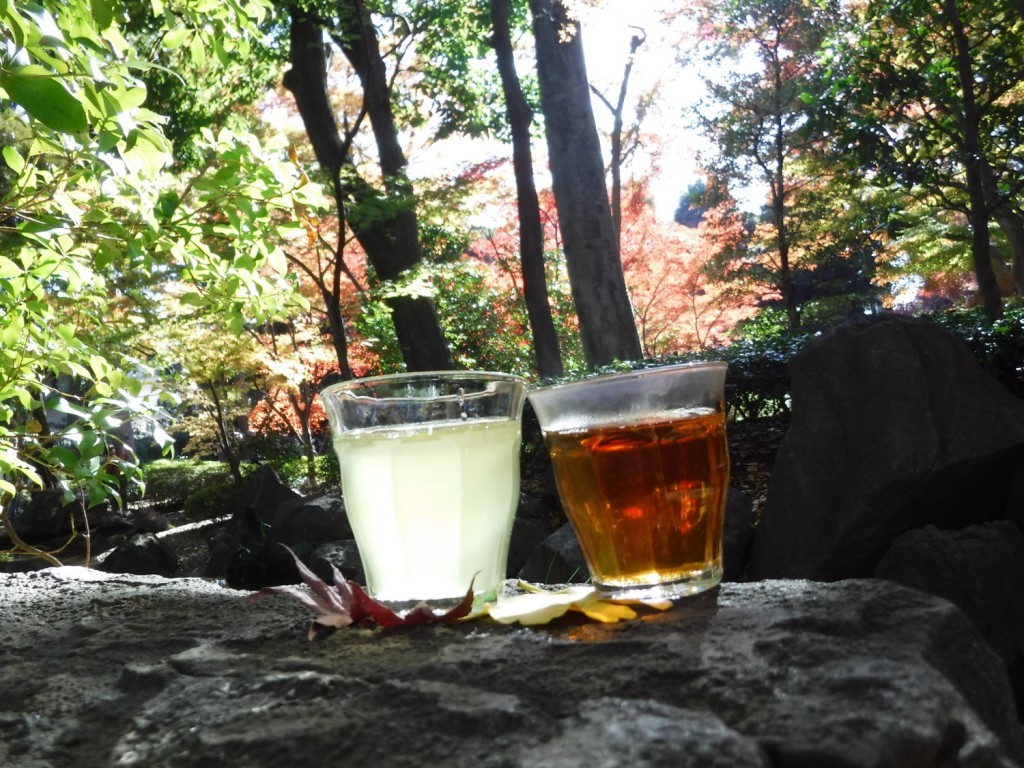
(620, 149)
(758, 117)
(578, 180)
(926, 96)
(383, 220)
(531, 233)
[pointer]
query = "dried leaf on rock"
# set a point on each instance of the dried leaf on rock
(347, 603)
(539, 606)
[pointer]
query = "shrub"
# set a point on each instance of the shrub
(218, 499)
(999, 345)
(293, 471)
(172, 481)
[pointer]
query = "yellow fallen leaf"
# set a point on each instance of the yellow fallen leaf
(539, 606)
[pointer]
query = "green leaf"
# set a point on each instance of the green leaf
(66, 332)
(161, 436)
(198, 51)
(192, 299)
(175, 37)
(11, 333)
(14, 161)
(62, 456)
(102, 13)
(40, 94)
(8, 268)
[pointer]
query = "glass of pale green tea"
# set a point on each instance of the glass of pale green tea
(430, 478)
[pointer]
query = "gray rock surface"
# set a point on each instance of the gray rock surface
(894, 426)
(102, 670)
(980, 570)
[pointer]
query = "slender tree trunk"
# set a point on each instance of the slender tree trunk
(531, 231)
(302, 407)
(972, 159)
(391, 243)
(778, 188)
(1009, 220)
(607, 327)
(234, 465)
(617, 158)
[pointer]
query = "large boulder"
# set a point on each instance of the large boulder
(143, 671)
(45, 515)
(143, 553)
(895, 425)
(980, 570)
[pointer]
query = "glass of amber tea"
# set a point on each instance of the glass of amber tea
(430, 477)
(642, 468)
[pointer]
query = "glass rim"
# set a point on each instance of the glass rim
(352, 385)
(639, 373)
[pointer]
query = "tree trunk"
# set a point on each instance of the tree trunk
(224, 436)
(617, 153)
(978, 214)
(778, 192)
(391, 243)
(531, 231)
(599, 291)
(1008, 220)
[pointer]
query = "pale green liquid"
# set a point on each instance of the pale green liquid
(431, 506)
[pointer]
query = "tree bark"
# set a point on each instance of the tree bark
(224, 435)
(978, 214)
(607, 327)
(531, 231)
(1009, 220)
(391, 243)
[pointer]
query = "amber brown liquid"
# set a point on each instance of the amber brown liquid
(646, 499)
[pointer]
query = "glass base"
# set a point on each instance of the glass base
(693, 583)
(438, 605)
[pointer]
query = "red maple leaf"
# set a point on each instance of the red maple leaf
(348, 604)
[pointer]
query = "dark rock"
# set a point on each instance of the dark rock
(45, 515)
(533, 524)
(305, 521)
(167, 673)
(149, 520)
(737, 534)
(114, 524)
(265, 491)
(141, 554)
(980, 570)
(557, 560)
(343, 555)
(894, 426)
(239, 553)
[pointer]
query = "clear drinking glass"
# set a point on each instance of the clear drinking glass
(430, 477)
(642, 468)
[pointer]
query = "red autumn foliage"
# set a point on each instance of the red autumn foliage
(677, 306)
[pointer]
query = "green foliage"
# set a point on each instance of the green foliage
(217, 499)
(171, 481)
(998, 345)
(200, 83)
(93, 224)
(294, 473)
(456, 71)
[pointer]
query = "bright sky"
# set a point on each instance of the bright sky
(606, 37)
(606, 40)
